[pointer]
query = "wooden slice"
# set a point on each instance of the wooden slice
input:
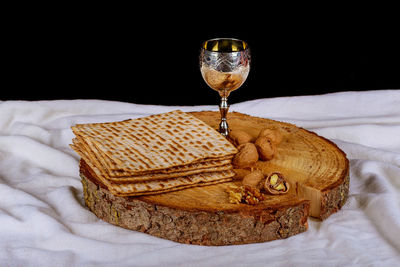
(315, 167)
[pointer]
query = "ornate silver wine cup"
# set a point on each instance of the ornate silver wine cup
(224, 65)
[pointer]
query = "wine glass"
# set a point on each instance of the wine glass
(224, 65)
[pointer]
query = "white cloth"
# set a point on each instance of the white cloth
(44, 222)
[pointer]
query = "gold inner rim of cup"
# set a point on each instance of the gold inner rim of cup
(225, 45)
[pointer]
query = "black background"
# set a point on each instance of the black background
(155, 61)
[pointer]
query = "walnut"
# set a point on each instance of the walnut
(235, 194)
(265, 147)
(274, 135)
(238, 137)
(245, 194)
(246, 157)
(253, 179)
(276, 184)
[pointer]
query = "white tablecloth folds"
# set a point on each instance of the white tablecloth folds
(44, 222)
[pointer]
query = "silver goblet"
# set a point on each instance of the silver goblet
(224, 65)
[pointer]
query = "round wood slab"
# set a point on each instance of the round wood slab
(316, 168)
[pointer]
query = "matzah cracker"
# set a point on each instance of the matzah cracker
(185, 168)
(162, 186)
(83, 149)
(166, 185)
(206, 163)
(123, 177)
(162, 176)
(175, 188)
(170, 184)
(155, 142)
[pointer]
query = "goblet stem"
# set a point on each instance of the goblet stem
(223, 109)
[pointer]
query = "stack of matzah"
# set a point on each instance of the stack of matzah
(154, 154)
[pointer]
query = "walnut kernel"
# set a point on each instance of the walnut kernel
(276, 184)
(245, 194)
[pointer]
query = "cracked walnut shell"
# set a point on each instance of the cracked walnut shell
(276, 184)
